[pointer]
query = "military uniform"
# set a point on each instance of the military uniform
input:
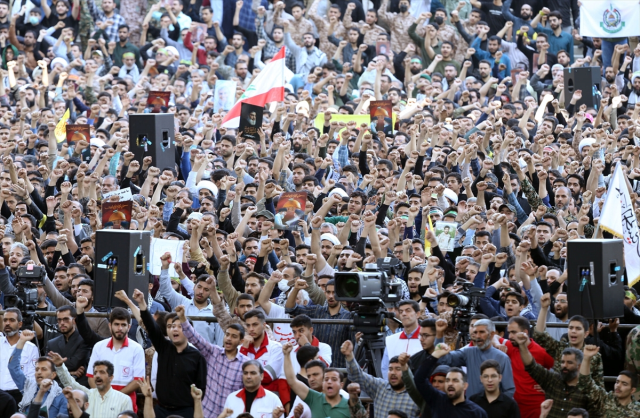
(632, 356)
(607, 402)
(534, 201)
(555, 349)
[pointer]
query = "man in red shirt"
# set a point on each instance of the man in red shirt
(528, 394)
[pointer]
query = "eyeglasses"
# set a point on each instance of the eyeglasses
(427, 335)
(65, 319)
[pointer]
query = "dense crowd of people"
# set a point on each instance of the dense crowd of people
(481, 175)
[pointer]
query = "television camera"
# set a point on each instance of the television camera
(465, 305)
(26, 299)
(369, 291)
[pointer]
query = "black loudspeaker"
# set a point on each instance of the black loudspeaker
(120, 264)
(595, 268)
(152, 134)
(587, 79)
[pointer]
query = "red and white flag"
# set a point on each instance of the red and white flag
(266, 88)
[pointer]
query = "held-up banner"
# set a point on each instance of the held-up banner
(610, 19)
(619, 218)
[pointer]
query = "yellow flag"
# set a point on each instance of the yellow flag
(61, 127)
(427, 244)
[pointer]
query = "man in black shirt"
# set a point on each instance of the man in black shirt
(8, 405)
(492, 14)
(60, 14)
(451, 403)
(180, 365)
(70, 344)
(497, 404)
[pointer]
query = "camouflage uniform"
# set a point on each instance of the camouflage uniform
(555, 349)
(535, 201)
(86, 22)
(607, 402)
(133, 12)
(632, 356)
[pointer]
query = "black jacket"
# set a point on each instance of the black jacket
(75, 350)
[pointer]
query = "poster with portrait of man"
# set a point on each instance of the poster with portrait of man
(446, 235)
(200, 32)
(381, 114)
(250, 121)
(224, 96)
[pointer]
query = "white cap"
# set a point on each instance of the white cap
(330, 237)
(451, 195)
(96, 142)
(206, 184)
(339, 191)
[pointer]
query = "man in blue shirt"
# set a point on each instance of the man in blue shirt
(53, 401)
(473, 356)
(492, 55)
(558, 40)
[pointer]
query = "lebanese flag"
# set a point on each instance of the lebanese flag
(266, 88)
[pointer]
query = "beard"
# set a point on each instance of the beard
(455, 395)
(297, 147)
(415, 71)
(11, 333)
(397, 386)
(481, 344)
(525, 16)
(568, 375)
(116, 337)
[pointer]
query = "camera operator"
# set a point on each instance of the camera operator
(12, 322)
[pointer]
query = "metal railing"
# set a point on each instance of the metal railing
(325, 322)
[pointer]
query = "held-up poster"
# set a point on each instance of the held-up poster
(116, 215)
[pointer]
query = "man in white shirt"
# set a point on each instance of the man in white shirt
(126, 356)
(104, 401)
(406, 341)
(258, 346)
(11, 324)
(302, 328)
(183, 20)
(253, 398)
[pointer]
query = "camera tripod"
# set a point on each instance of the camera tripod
(369, 354)
(462, 324)
(371, 321)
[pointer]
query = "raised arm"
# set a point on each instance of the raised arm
(297, 386)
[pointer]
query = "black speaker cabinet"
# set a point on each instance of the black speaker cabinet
(595, 271)
(588, 80)
(121, 263)
(152, 134)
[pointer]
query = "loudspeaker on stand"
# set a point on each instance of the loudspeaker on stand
(121, 263)
(595, 268)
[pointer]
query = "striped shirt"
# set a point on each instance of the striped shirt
(224, 376)
(333, 335)
(109, 406)
(384, 397)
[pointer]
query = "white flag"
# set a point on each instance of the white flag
(619, 218)
(609, 19)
